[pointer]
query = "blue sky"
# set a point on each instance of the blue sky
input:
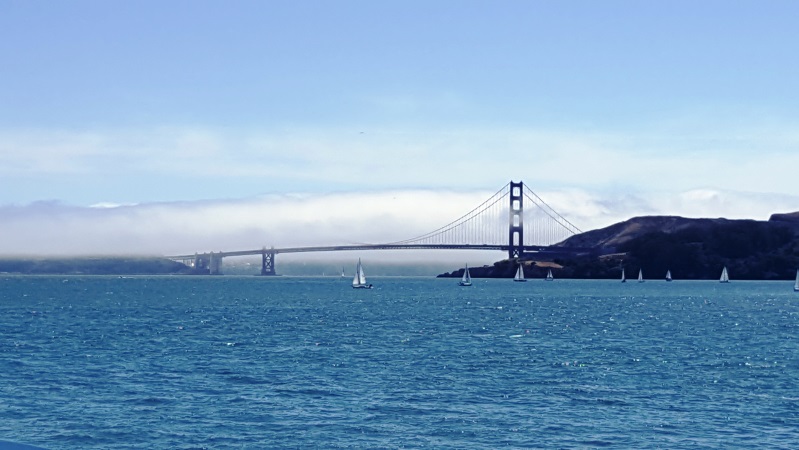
(106, 103)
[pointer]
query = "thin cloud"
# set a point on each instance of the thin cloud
(758, 158)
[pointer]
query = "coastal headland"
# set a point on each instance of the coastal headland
(690, 248)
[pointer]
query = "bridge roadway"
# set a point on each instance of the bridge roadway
(211, 262)
(338, 248)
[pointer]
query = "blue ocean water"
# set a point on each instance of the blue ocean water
(250, 362)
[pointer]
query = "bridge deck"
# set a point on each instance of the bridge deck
(338, 248)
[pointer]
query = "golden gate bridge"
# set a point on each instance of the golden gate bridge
(515, 219)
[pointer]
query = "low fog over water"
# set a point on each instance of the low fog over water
(169, 228)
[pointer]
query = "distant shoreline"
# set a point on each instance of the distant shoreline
(92, 266)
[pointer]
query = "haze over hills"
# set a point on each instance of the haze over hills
(108, 265)
(689, 248)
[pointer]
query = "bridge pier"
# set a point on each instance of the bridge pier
(201, 263)
(516, 221)
(268, 261)
(215, 264)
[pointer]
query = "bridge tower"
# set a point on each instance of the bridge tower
(268, 261)
(516, 221)
(202, 263)
(215, 264)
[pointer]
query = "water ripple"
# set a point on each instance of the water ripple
(170, 362)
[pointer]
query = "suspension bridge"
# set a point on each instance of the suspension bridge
(515, 219)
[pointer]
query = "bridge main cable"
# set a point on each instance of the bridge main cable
(460, 220)
(559, 219)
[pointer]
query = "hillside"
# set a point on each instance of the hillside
(699, 248)
(92, 266)
(690, 248)
(609, 238)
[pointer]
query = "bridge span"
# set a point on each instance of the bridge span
(211, 262)
(528, 232)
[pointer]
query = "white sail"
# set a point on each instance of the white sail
(668, 275)
(519, 274)
(623, 278)
(549, 275)
(359, 280)
(466, 280)
(725, 277)
(796, 283)
(640, 276)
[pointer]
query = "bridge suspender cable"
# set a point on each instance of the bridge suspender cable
(571, 227)
(495, 198)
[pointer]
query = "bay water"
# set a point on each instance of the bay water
(283, 362)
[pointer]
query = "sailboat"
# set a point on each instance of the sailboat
(359, 280)
(519, 274)
(623, 278)
(668, 275)
(549, 276)
(640, 276)
(342, 273)
(725, 277)
(796, 283)
(466, 280)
